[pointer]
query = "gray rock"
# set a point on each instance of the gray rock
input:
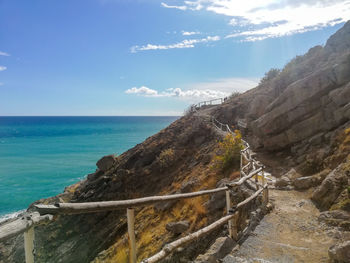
(325, 195)
(162, 206)
(187, 186)
(292, 174)
(304, 182)
(233, 259)
(106, 162)
(340, 253)
(334, 214)
(217, 251)
(282, 182)
(177, 227)
(217, 201)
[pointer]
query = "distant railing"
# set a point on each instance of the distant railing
(209, 102)
(249, 168)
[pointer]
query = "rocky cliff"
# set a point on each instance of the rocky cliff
(299, 117)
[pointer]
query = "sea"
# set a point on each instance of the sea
(40, 156)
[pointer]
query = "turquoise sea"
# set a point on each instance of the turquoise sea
(39, 156)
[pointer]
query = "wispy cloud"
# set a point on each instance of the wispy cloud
(4, 54)
(189, 33)
(187, 43)
(2, 68)
(188, 5)
(199, 91)
(183, 7)
(261, 19)
(176, 92)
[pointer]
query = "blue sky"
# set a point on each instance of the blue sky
(148, 57)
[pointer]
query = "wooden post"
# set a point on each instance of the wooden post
(29, 245)
(241, 164)
(131, 231)
(228, 207)
(266, 190)
(234, 227)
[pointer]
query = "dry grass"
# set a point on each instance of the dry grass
(229, 152)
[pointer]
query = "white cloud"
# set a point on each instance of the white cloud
(1, 84)
(183, 7)
(2, 68)
(200, 91)
(143, 90)
(260, 19)
(4, 54)
(187, 43)
(191, 33)
(188, 5)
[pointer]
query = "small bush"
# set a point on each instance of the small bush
(230, 151)
(271, 74)
(166, 158)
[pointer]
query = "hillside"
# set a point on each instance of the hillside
(298, 118)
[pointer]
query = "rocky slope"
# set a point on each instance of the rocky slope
(298, 118)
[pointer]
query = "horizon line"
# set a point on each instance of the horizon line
(90, 116)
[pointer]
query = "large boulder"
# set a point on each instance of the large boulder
(106, 162)
(217, 251)
(338, 218)
(325, 195)
(307, 182)
(177, 227)
(217, 201)
(340, 253)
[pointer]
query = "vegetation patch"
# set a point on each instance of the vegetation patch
(229, 152)
(166, 158)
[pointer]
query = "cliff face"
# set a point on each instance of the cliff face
(300, 116)
(300, 110)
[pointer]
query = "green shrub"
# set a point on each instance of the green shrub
(230, 151)
(271, 74)
(166, 158)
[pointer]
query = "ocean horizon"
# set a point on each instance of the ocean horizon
(41, 155)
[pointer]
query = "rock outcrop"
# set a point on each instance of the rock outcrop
(221, 247)
(177, 227)
(340, 253)
(106, 163)
(335, 182)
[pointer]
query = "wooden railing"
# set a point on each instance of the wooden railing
(249, 168)
(209, 102)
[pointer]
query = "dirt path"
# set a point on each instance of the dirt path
(290, 233)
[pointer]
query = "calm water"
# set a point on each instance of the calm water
(39, 156)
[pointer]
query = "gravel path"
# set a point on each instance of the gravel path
(290, 233)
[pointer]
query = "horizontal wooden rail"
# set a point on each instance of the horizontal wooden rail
(167, 249)
(92, 207)
(21, 225)
(78, 208)
(245, 178)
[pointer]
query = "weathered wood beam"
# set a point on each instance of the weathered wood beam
(20, 225)
(130, 213)
(92, 207)
(167, 249)
(29, 245)
(245, 178)
(79, 208)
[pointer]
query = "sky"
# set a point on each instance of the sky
(148, 57)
